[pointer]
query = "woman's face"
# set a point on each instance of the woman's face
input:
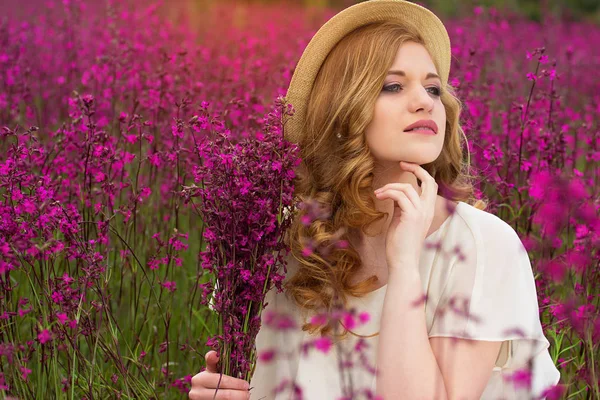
(409, 94)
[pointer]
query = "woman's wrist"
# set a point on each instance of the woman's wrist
(403, 266)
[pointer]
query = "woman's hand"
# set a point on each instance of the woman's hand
(206, 382)
(413, 214)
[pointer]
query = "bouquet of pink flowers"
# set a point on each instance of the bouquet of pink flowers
(246, 190)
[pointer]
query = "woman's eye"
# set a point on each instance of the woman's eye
(396, 87)
(389, 88)
(437, 91)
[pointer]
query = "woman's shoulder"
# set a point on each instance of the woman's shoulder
(485, 226)
(478, 236)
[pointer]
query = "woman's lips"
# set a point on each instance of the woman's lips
(422, 130)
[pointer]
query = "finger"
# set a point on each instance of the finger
(213, 381)
(428, 186)
(211, 361)
(408, 190)
(201, 394)
(399, 197)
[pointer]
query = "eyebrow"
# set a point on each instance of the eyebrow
(402, 73)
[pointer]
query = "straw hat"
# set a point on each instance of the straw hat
(403, 12)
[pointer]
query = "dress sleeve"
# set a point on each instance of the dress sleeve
(284, 345)
(490, 294)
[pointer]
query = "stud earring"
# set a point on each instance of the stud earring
(338, 135)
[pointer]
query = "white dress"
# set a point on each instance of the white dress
(496, 279)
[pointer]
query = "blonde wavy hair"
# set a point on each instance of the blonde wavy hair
(338, 176)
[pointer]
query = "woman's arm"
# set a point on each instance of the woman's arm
(411, 365)
(406, 364)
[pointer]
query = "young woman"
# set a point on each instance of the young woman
(375, 112)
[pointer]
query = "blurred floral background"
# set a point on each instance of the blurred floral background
(102, 287)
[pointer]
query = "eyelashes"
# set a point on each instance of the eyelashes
(436, 90)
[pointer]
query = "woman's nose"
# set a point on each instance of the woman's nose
(421, 99)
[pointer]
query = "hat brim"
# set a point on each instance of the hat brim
(414, 16)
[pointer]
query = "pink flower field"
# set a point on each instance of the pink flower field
(134, 134)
